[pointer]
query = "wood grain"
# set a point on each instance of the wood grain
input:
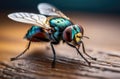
(37, 66)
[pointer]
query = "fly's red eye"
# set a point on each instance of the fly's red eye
(67, 34)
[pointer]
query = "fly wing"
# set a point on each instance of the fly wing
(29, 18)
(49, 10)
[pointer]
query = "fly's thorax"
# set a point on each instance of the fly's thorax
(59, 23)
(73, 34)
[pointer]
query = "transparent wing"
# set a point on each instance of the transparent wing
(29, 18)
(47, 9)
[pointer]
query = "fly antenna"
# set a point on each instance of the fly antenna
(86, 37)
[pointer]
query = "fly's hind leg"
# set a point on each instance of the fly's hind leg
(22, 52)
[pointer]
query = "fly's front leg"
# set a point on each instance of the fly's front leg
(22, 52)
(86, 53)
(89, 63)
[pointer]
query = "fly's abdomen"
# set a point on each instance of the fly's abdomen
(36, 34)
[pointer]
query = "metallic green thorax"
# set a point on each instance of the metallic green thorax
(58, 24)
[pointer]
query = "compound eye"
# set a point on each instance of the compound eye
(67, 34)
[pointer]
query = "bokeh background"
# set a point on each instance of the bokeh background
(99, 18)
(94, 6)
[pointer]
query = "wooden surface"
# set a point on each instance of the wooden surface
(36, 63)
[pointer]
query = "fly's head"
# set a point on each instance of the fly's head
(73, 34)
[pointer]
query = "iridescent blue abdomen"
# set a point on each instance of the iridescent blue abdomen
(58, 24)
(36, 34)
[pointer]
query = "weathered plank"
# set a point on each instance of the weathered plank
(37, 66)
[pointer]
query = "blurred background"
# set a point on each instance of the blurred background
(99, 18)
(94, 6)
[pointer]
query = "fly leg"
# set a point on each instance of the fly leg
(22, 52)
(54, 55)
(86, 53)
(89, 63)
